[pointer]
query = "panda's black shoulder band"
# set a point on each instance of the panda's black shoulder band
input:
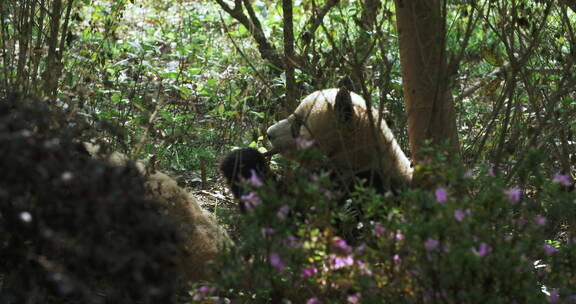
(343, 105)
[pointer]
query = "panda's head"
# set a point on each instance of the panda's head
(336, 121)
(239, 166)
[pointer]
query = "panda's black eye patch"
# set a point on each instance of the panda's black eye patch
(295, 127)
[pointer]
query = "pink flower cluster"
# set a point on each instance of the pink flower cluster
(203, 291)
(562, 179)
(283, 212)
(276, 262)
(338, 262)
(431, 244)
(441, 195)
(482, 251)
(250, 200)
(513, 195)
(253, 181)
(459, 214)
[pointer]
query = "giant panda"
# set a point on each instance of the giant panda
(203, 238)
(337, 123)
(82, 225)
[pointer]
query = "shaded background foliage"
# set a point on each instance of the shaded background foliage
(185, 79)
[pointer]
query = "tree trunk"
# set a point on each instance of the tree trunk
(53, 63)
(290, 103)
(429, 104)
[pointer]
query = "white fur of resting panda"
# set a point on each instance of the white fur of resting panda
(337, 122)
(204, 239)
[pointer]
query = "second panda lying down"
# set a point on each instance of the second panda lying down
(203, 238)
(338, 124)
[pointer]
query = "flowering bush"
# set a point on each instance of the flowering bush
(470, 237)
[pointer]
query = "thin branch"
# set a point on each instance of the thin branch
(318, 16)
(264, 81)
(482, 82)
(267, 50)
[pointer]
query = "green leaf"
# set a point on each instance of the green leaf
(491, 56)
(194, 71)
(220, 110)
(116, 98)
(170, 75)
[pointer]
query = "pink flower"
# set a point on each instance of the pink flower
(250, 200)
(308, 272)
(303, 144)
(468, 174)
(283, 212)
(399, 236)
(549, 250)
(276, 262)
(355, 298)
(267, 231)
(314, 301)
(513, 195)
(341, 262)
(397, 259)
(254, 180)
(342, 246)
(203, 291)
(363, 268)
(540, 220)
(482, 251)
(491, 172)
(379, 229)
(521, 222)
(360, 248)
(292, 242)
(563, 179)
(431, 244)
(553, 297)
(441, 195)
(459, 215)
(206, 289)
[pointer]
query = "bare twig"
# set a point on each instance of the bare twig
(217, 196)
(258, 74)
(482, 82)
(318, 15)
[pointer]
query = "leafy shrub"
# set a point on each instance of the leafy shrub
(467, 239)
(74, 228)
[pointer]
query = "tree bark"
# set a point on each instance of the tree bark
(53, 63)
(26, 18)
(251, 22)
(289, 55)
(429, 104)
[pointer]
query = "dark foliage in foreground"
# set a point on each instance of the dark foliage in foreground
(73, 228)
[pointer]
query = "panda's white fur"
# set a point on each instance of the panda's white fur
(339, 127)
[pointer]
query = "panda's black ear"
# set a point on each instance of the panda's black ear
(346, 82)
(343, 105)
